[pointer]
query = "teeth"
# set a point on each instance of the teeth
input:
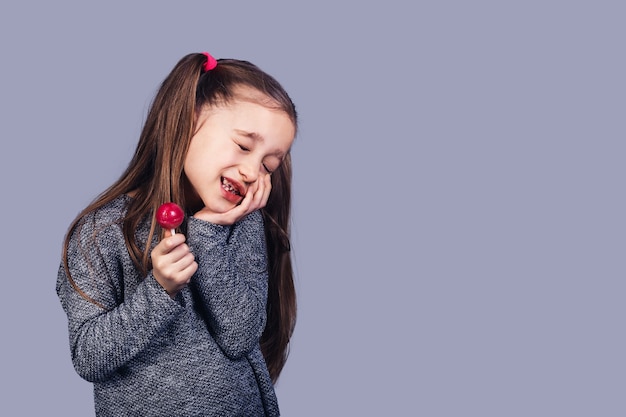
(229, 187)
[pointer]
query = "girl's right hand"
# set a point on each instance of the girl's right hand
(173, 264)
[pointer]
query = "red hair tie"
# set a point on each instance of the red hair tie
(210, 62)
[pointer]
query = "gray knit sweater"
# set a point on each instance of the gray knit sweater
(148, 355)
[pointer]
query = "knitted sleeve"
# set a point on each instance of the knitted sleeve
(231, 280)
(105, 338)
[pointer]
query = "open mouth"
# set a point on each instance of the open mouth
(231, 188)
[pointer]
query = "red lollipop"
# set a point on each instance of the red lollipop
(170, 216)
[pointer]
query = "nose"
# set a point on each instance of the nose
(249, 170)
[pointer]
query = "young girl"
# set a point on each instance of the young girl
(196, 323)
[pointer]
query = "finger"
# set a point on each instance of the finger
(244, 206)
(167, 269)
(267, 189)
(258, 193)
(168, 244)
(165, 260)
(179, 254)
(262, 193)
(184, 269)
(190, 270)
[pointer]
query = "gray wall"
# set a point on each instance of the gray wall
(459, 231)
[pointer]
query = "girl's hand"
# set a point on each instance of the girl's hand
(173, 264)
(256, 198)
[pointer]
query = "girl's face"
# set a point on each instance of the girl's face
(234, 147)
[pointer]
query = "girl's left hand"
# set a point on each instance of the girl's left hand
(255, 199)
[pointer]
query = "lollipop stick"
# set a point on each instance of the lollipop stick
(173, 231)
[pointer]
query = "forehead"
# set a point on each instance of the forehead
(266, 125)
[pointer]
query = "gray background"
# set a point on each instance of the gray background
(459, 229)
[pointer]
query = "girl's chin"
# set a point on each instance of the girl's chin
(221, 208)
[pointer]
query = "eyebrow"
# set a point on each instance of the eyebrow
(258, 137)
(251, 135)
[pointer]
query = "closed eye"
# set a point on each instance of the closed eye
(243, 148)
(267, 169)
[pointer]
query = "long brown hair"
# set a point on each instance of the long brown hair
(155, 175)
